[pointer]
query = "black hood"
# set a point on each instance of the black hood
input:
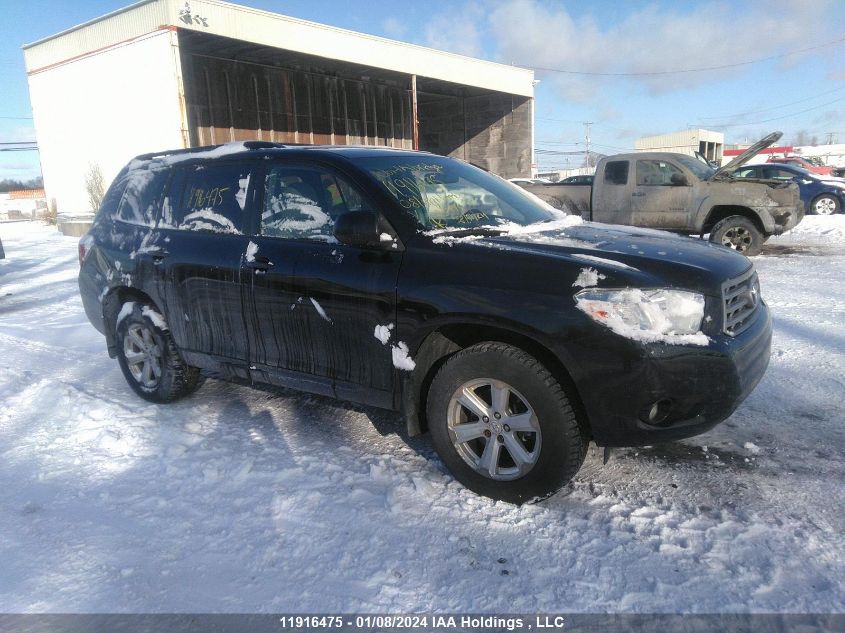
(639, 257)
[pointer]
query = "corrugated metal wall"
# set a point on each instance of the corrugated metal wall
(234, 100)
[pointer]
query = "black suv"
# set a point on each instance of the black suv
(419, 283)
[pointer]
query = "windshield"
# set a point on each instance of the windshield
(443, 193)
(698, 167)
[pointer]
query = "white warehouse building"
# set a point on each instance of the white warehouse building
(708, 143)
(166, 74)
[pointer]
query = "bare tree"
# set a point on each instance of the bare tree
(94, 186)
(51, 215)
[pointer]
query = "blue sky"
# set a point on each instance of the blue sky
(630, 49)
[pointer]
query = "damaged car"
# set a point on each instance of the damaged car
(513, 334)
(685, 195)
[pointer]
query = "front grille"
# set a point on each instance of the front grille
(740, 300)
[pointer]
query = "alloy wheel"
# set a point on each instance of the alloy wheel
(494, 429)
(825, 206)
(737, 238)
(143, 355)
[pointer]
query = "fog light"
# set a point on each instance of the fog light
(656, 412)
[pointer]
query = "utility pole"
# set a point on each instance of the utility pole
(831, 137)
(587, 125)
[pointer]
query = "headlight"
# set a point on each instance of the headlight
(670, 316)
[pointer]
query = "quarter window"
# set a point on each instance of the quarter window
(214, 199)
(144, 188)
(616, 172)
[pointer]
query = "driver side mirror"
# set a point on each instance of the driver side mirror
(678, 180)
(358, 229)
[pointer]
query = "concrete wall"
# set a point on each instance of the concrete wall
(490, 130)
(105, 108)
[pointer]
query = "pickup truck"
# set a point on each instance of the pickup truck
(684, 194)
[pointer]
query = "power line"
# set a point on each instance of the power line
(778, 118)
(684, 70)
(21, 118)
(777, 107)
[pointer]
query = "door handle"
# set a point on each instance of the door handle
(260, 264)
(157, 255)
(638, 195)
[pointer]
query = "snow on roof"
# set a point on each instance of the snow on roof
(278, 31)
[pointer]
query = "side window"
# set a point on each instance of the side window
(303, 202)
(213, 199)
(616, 172)
(746, 172)
(144, 188)
(111, 201)
(656, 172)
(777, 174)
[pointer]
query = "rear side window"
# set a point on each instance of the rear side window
(111, 201)
(144, 189)
(214, 199)
(616, 172)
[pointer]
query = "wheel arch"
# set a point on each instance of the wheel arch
(719, 212)
(112, 302)
(445, 341)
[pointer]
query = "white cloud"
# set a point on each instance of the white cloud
(394, 27)
(655, 39)
(456, 31)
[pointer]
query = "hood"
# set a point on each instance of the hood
(637, 257)
(747, 155)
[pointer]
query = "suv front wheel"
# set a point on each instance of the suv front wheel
(503, 425)
(148, 356)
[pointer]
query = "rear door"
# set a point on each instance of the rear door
(658, 201)
(316, 305)
(205, 226)
(611, 200)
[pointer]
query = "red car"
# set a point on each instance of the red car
(814, 167)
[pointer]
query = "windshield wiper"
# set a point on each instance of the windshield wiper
(475, 230)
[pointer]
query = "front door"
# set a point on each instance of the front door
(662, 196)
(315, 302)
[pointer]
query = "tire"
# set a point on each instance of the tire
(553, 443)
(825, 204)
(143, 332)
(739, 233)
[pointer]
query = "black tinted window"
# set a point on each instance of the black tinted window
(144, 189)
(111, 201)
(214, 199)
(303, 202)
(616, 172)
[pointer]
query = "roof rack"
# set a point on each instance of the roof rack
(207, 148)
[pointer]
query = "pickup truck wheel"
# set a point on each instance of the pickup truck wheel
(148, 356)
(825, 204)
(739, 233)
(503, 425)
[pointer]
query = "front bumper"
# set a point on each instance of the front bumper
(695, 388)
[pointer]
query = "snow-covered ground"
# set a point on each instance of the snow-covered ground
(244, 500)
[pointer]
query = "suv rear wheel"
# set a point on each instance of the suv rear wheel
(148, 356)
(503, 425)
(739, 233)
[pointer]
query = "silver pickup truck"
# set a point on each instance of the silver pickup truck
(684, 194)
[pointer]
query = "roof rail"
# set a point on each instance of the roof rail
(208, 148)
